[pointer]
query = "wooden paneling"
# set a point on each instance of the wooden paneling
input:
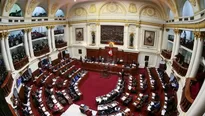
(127, 57)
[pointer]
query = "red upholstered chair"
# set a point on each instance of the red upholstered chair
(88, 113)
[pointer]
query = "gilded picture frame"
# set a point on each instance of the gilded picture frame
(79, 34)
(149, 38)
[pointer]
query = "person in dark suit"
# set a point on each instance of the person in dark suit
(123, 73)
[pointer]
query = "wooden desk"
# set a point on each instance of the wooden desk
(7, 85)
(96, 66)
(18, 65)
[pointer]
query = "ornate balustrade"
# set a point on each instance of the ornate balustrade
(166, 54)
(179, 68)
(7, 85)
(41, 52)
(196, 17)
(186, 100)
(18, 65)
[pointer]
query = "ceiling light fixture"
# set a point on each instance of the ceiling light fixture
(74, 0)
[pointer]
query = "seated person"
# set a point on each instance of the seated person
(157, 105)
(83, 108)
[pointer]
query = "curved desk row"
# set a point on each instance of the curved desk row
(108, 67)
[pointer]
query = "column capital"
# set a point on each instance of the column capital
(28, 30)
(162, 27)
(25, 30)
(167, 30)
(69, 25)
(5, 34)
(97, 23)
(126, 24)
(177, 31)
(48, 27)
(52, 26)
(197, 34)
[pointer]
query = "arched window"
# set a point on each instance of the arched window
(187, 9)
(171, 15)
(60, 13)
(15, 11)
(39, 12)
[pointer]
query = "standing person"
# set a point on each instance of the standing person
(123, 74)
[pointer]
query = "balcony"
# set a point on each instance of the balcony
(7, 85)
(186, 99)
(21, 63)
(166, 54)
(41, 52)
(196, 18)
(61, 45)
(187, 43)
(181, 70)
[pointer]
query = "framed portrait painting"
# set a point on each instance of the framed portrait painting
(79, 34)
(149, 37)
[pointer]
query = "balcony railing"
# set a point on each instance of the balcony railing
(7, 85)
(186, 100)
(60, 45)
(166, 54)
(179, 68)
(18, 65)
(187, 44)
(197, 17)
(41, 52)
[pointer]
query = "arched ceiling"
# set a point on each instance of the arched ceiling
(53, 5)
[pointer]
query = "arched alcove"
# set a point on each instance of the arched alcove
(150, 11)
(113, 9)
(187, 9)
(39, 12)
(60, 13)
(15, 11)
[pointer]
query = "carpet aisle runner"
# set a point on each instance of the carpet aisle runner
(96, 85)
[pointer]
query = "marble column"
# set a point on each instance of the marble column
(6, 40)
(160, 40)
(49, 38)
(98, 30)
(30, 42)
(89, 38)
(193, 56)
(66, 34)
(3, 52)
(126, 40)
(165, 39)
(71, 41)
(136, 38)
(177, 42)
(26, 42)
(174, 43)
(198, 106)
(197, 60)
(53, 38)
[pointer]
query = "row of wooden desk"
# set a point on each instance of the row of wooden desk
(107, 67)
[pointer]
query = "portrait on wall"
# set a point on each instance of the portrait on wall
(79, 34)
(149, 37)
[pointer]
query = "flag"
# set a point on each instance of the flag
(110, 52)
